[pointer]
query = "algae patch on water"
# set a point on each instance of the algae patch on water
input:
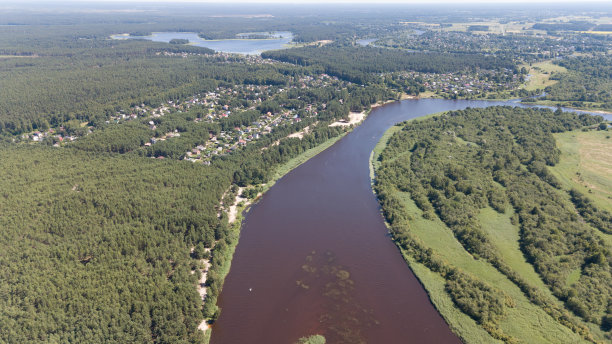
(342, 315)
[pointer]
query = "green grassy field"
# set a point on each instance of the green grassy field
(374, 163)
(505, 236)
(586, 164)
(540, 75)
(525, 321)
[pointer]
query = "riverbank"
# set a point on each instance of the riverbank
(432, 95)
(434, 237)
(356, 119)
(241, 205)
(305, 217)
(234, 228)
(232, 212)
(567, 104)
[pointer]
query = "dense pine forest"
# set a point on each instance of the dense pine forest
(95, 248)
(357, 64)
(456, 165)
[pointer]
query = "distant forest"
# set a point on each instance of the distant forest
(357, 64)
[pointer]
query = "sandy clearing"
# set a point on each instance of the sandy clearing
(354, 118)
(300, 134)
(232, 212)
(201, 287)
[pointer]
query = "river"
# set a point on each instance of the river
(315, 257)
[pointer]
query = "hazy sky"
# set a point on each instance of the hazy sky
(335, 1)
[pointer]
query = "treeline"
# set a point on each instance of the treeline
(456, 164)
(360, 64)
(599, 218)
(588, 82)
(179, 41)
(603, 27)
(569, 26)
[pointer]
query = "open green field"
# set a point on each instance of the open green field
(17, 56)
(540, 75)
(586, 164)
(428, 94)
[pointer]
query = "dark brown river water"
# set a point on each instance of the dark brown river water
(315, 257)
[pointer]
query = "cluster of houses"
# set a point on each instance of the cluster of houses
(214, 106)
(228, 141)
(58, 137)
(466, 84)
(178, 54)
(451, 41)
(222, 103)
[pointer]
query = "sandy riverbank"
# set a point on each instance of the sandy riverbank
(201, 287)
(232, 212)
(354, 118)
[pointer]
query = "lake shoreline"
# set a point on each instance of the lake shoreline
(236, 45)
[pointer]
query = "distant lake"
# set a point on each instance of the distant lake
(367, 41)
(277, 40)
